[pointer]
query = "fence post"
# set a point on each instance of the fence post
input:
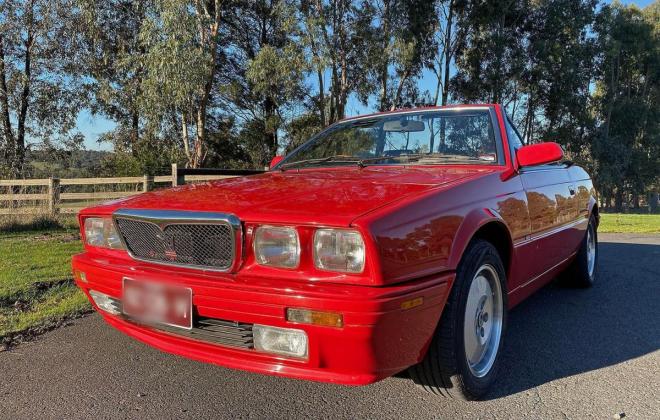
(148, 183)
(53, 195)
(176, 178)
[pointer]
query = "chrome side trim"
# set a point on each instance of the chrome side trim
(163, 218)
(550, 232)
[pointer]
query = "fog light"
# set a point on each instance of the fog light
(324, 319)
(105, 302)
(285, 341)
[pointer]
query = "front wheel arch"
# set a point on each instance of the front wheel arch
(488, 226)
(444, 369)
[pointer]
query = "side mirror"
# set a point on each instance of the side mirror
(538, 154)
(275, 161)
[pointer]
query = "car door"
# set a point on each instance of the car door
(553, 211)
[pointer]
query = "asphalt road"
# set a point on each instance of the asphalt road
(569, 353)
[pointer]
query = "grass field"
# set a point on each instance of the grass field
(629, 223)
(36, 285)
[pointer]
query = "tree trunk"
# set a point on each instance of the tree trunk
(198, 152)
(399, 89)
(4, 107)
(19, 158)
(184, 136)
(618, 200)
(343, 62)
(334, 89)
(448, 54)
(384, 76)
(135, 131)
(321, 105)
(200, 138)
(270, 134)
(614, 82)
(333, 93)
(438, 84)
(343, 88)
(319, 68)
(383, 89)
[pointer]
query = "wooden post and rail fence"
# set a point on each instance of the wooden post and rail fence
(50, 195)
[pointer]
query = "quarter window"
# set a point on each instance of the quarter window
(515, 142)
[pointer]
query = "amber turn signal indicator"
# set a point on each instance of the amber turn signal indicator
(323, 319)
(409, 304)
(80, 275)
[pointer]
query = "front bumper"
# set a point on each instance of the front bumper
(379, 338)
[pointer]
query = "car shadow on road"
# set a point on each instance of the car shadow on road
(562, 331)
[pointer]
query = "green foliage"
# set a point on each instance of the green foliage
(231, 83)
(302, 129)
(490, 52)
(399, 38)
(40, 88)
(626, 146)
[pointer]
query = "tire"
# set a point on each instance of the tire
(583, 270)
(445, 369)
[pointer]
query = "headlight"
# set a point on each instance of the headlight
(339, 250)
(277, 246)
(101, 232)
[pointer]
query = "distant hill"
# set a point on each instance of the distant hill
(64, 164)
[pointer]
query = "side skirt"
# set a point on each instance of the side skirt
(523, 291)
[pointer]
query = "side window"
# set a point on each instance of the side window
(515, 142)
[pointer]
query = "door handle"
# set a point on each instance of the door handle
(571, 189)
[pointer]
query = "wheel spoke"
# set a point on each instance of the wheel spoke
(483, 320)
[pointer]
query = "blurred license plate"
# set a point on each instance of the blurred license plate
(155, 303)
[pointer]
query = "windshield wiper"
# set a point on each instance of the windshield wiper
(421, 156)
(305, 162)
(362, 162)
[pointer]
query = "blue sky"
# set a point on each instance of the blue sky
(91, 126)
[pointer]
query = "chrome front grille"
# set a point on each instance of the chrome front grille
(190, 239)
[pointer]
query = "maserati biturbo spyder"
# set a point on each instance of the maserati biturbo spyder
(387, 242)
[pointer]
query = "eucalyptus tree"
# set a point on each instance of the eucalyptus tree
(445, 41)
(560, 50)
(265, 68)
(490, 55)
(398, 41)
(627, 145)
(113, 63)
(39, 88)
(332, 32)
(181, 40)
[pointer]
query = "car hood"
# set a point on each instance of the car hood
(334, 196)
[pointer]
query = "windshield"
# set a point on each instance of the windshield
(422, 138)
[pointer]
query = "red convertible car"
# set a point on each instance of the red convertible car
(387, 242)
